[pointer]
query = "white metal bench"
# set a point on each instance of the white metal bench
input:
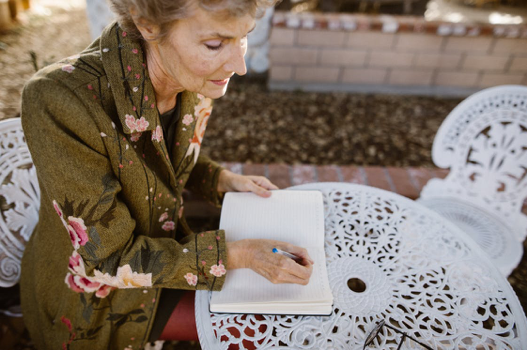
(19, 199)
(484, 143)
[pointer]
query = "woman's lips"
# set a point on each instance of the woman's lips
(220, 82)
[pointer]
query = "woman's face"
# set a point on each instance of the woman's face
(203, 51)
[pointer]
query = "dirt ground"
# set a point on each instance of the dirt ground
(250, 124)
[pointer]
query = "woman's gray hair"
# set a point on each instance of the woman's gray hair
(165, 12)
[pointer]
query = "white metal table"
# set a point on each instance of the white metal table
(389, 259)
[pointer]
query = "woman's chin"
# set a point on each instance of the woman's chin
(214, 92)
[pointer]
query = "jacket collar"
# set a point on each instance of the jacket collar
(124, 62)
(125, 65)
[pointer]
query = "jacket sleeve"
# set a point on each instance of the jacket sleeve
(203, 180)
(76, 177)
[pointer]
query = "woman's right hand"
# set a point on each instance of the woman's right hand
(257, 255)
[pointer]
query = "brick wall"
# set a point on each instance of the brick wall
(393, 54)
(407, 182)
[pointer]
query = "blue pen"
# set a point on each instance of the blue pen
(287, 254)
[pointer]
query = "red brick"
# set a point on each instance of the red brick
(420, 176)
(234, 167)
(440, 173)
(327, 173)
(303, 174)
(352, 174)
(279, 175)
(402, 182)
(376, 177)
(254, 169)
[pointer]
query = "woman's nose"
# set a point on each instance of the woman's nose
(236, 62)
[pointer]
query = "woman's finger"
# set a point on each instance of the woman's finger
(300, 252)
(291, 279)
(258, 190)
(263, 182)
(290, 267)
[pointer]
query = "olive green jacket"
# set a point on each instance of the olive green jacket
(111, 232)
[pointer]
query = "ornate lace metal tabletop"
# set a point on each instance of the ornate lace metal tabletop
(389, 259)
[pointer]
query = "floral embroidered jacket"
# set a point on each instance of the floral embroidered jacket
(111, 231)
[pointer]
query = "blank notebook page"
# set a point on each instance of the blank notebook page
(296, 217)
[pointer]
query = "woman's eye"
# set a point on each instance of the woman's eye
(213, 45)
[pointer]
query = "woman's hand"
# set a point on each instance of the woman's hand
(257, 255)
(231, 182)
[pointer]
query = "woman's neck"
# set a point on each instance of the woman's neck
(165, 88)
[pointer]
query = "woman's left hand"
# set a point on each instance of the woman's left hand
(232, 182)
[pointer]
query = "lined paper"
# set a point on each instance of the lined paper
(296, 217)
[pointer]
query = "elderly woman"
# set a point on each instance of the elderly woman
(115, 134)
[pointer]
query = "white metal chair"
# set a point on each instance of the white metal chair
(484, 143)
(19, 201)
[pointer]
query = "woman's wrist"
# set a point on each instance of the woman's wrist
(236, 252)
(222, 181)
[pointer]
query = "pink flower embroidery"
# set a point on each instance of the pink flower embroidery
(157, 134)
(135, 136)
(168, 226)
(68, 68)
(218, 270)
(71, 283)
(125, 278)
(77, 231)
(130, 122)
(67, 322)
(57, 209)
(142, 124)
(187, 119)
(86, 284)
(60, 214)
(81, 284)
(136, 124)
(163, 217)
(202, 113)
(191, 279)
(135, 51)
(76, 264)
(103, 291)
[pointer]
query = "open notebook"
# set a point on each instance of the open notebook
(296, 217)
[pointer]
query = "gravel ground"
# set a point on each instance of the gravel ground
(251, 124)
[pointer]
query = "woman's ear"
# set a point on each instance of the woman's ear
(148, 30)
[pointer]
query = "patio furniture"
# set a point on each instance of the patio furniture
(389, 260)
(484, 143)
(19, 199)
